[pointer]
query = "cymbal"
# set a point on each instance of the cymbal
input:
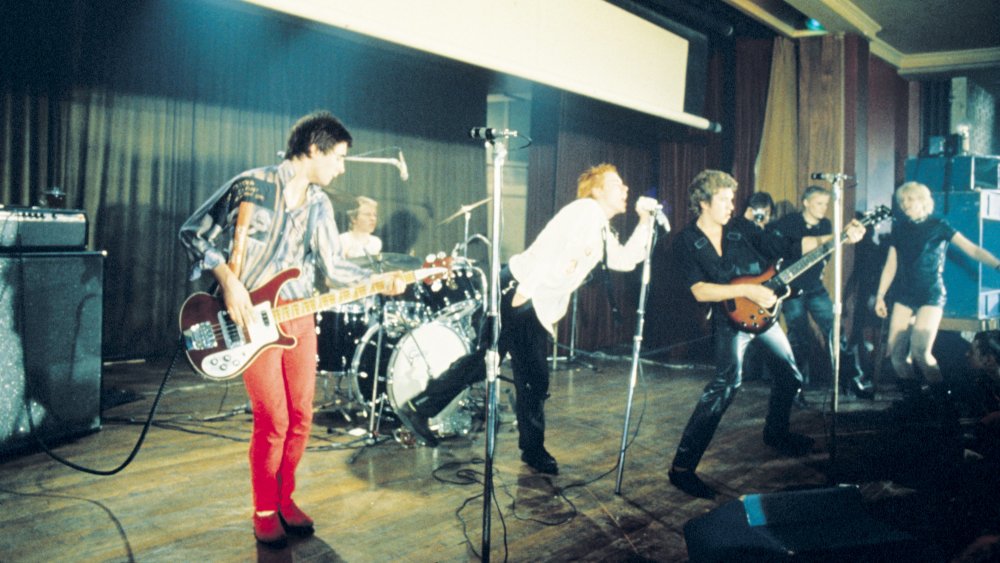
(463, 210)
(388, 261)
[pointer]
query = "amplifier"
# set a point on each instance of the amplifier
(42, 228)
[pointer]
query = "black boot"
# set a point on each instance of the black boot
(914, 405)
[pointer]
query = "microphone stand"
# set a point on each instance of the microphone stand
(834, 343)
(493, 354)
(640, 321)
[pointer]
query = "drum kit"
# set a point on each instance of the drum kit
(385, 350)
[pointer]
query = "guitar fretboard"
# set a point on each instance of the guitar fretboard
(326, 301)
(810, 259)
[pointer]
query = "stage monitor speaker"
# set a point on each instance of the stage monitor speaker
(50, 347)
(816, 525)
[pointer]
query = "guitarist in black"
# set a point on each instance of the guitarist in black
(262, 222)
(712, 253)
(803, 232)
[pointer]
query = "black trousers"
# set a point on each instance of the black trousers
(526, 340)
(730, 347)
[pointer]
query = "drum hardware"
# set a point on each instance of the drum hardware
(464, 210)
(571, 358)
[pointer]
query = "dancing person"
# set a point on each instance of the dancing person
(712, 254)
(914, 268)
(804, 232)
(263, 222)
(359, 240)
(536, 287)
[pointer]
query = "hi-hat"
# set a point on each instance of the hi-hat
(463, 210)
(388, 261)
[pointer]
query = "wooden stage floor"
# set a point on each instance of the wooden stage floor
(185, 497)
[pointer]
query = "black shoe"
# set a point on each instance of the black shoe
(789, 443)
(417, 425)
(541, 461)
(691, 484)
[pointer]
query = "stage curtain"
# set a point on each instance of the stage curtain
(141, 120)
(777, 162)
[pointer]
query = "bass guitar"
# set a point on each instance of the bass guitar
(219, 349)
(748, 316)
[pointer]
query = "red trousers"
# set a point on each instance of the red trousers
(281, 384)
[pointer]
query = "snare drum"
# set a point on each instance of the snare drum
(455, 299)
(410, 362)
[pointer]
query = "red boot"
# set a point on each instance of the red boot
(268, 530)
(296, 522)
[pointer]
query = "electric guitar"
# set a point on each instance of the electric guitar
(748, 316)
(219, 349)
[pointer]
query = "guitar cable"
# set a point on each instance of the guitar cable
(142, 434)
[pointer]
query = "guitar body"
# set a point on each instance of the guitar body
(219, 349)
(751, 317)
(748, 316)
(216, 347)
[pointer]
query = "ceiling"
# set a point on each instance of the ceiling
(921, 38)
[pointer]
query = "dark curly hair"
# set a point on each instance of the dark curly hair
(319, 128)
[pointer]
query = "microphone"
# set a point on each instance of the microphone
(655, 209)
(829, 177)
(404, 172)
(661, 218)
(489, 133)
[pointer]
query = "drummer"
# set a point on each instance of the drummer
(359, 241)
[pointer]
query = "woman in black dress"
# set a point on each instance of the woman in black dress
(914, 267)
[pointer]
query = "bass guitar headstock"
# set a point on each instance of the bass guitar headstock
(442, 261)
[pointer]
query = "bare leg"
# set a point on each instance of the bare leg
(899, 341)
(925, 330)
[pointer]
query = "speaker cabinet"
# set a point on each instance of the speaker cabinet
(50, 346)
(816, 525)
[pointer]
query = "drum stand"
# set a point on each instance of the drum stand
(571, 357)
(335, 402)
(377, 399)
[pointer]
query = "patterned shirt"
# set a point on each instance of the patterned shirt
(278, 238)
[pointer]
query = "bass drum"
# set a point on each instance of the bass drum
(410, 361)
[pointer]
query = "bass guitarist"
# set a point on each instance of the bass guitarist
(712, 253)
(263, 222)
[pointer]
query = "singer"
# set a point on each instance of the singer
(536, 288)
(262, 222)
(712, 253)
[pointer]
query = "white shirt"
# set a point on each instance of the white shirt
(566, 251)
(355, 246)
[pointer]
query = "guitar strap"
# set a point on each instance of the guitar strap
(240, 238)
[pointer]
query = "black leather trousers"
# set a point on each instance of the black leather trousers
(527, 342)
(730, 346)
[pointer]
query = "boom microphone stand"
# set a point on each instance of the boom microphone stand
(637, 346)
(837, 181)
(838, 311)
(495, 139)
